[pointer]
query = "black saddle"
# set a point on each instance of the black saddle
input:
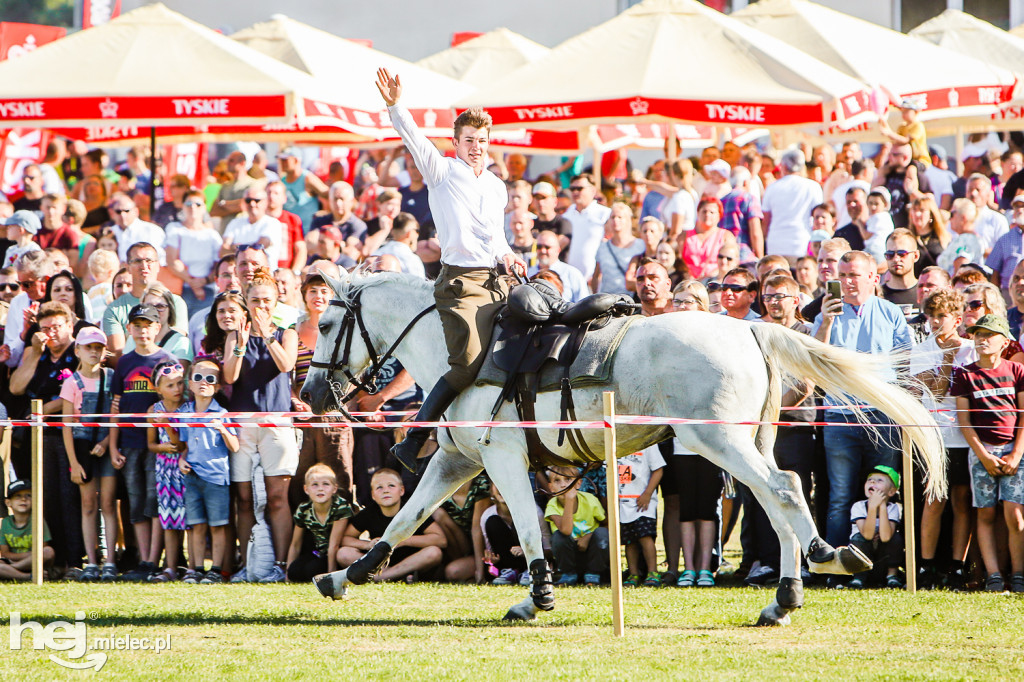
(538, 328)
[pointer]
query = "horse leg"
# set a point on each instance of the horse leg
(448, 469)
(509, 473)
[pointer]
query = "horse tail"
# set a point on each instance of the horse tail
(764, 437)
(844, 374)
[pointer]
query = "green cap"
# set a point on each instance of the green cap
(992, 323)
(893, 475)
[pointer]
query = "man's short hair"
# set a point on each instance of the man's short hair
(474, 117)
(904, 234)
(96, 156)
(782, 282)
(793, 161)
(140, 245)
(388, 195)
(742, 273)
(941, 272)
(944, 300)
(853, 190)
(403, 224)
(862, 256)
(856, 168)
(835, 245)
(774, 260)
(584, 176)
(36, 263)
(978, 177)
(53, 197)
(54, 309)
(647, 261)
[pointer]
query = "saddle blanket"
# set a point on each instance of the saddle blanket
(592, 366)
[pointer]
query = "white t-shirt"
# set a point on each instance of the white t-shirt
(15, 252)
(140, 231)
(587, 234)
(941, 181)
(927, 356)
(240, 231)
(634, 474)
(990, 226)
(410, 262)
(790, 200)
(682, 202)
(859, 511)
(197, 249)
(880, 226)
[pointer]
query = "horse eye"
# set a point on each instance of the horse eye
(323, 327)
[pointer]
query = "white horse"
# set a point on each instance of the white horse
(693, 365)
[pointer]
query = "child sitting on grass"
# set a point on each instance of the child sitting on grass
(639, 476)
(989, 396)
(320, 523)
(420, 552)
(577, 540)
(204, 464)
(876, 522)
(16, 535)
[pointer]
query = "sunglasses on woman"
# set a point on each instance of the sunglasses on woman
(975, 305)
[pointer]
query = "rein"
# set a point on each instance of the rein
(352, 319)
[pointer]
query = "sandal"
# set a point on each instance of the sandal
(687, 579)
(706, 579)
(631, 581)
(652, 580)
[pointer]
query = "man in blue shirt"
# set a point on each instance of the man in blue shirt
(863, 322)
(1008, 249)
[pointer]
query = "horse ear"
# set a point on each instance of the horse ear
(336, 283)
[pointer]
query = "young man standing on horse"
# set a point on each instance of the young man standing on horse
(467, 202)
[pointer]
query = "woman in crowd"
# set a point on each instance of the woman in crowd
(258, 361)
(614, 254)
(823, 225)
(331, 446)
(94, 197)
(700, 249)
(933, 236)
(74, 217)
(652, 231)
(192, 247)
(168, 338)
(65, 288)
(985, 298)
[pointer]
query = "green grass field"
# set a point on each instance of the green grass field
(421, 632)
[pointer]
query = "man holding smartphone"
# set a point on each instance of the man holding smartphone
(857, 320)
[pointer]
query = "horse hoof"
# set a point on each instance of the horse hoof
(854, 560)
(326, 586)
(773, 615)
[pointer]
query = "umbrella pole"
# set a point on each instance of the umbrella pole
(152, 171)
(959, 149)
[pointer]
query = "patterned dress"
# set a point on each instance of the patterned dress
(170, 484)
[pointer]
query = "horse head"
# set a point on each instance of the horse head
(326, 371)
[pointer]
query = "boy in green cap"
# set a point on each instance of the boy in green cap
(875, 525)
(989, 396)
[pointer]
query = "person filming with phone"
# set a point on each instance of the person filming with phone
(854, 317)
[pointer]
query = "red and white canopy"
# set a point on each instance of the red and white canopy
(674, 61)
(944, 83)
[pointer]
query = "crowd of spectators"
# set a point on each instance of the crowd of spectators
(208, 300)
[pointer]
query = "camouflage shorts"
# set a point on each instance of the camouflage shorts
(987, 489)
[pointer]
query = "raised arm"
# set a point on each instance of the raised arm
(429, 161)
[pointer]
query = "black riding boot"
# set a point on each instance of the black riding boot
(434, 405)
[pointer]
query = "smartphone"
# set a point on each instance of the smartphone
(833, 289)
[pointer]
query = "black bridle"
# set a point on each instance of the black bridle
(352, 319)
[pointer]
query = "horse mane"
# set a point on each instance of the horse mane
(361, 279)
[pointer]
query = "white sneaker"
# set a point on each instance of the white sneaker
(277, 575)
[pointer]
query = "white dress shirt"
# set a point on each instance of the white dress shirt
(468, 209)
(140, 231)
(410, 262)
(990, 226)
(587, 234)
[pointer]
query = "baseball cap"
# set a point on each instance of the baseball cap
(908, 103)
(720, 166)
(16, 487)
(144, 311)
(26, 220)
(939, 151)
(974, 150)
(288, 152)
(893, 475)
(90, 335)
(992, 323)
(544, 189)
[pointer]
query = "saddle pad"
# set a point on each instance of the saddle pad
(592, 366)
